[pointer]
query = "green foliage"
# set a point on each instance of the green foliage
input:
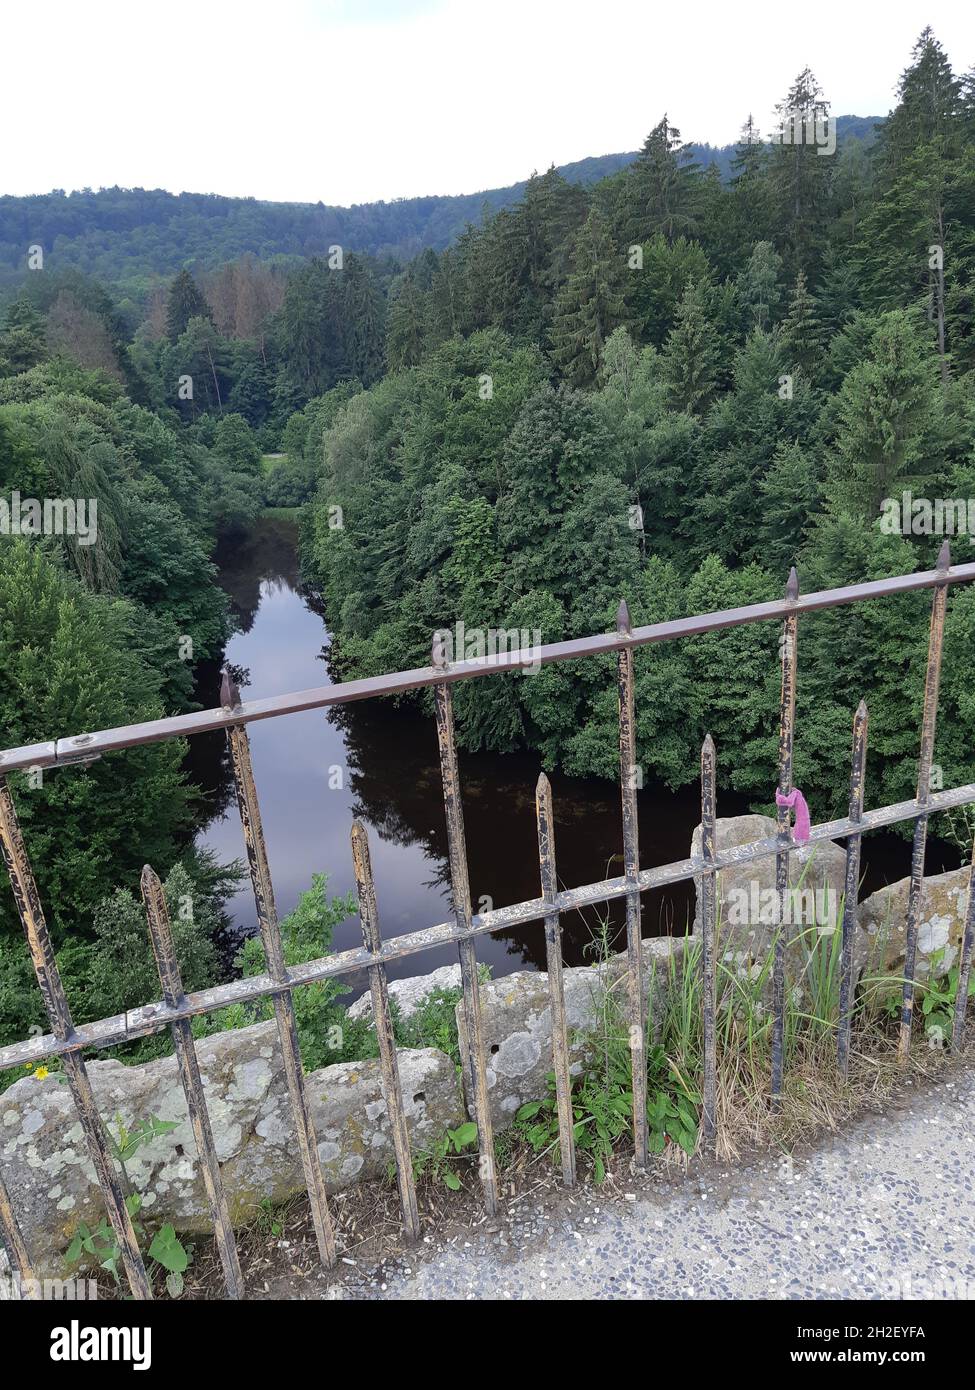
(325, 1034)
(591, 303)
(111, 968)
(602, 1093)
(65, 666)
(883, 411)
(690, 357)
(164, 1246)
(438, 1161)
(185, 303)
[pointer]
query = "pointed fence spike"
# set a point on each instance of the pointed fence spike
(792, 586)
(541, 785)
(229, 693)
(149, 877)
(438, 654)
(944, 555)
(623, 623)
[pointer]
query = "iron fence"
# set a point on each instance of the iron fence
(278, 982)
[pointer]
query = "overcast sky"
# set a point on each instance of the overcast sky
(353, 100)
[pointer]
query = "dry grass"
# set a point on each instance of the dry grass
(815, 1099)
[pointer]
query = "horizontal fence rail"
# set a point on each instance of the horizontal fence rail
(154, 1018)
(175, 1010)
(81, 747)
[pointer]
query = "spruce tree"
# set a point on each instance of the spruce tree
(185, 302)
(883, 411)
(802, 334)
(790, 494)
(758, 285)
(929, 106)
(364, 317)
(799, 171)
(591, 303)
(691, 355)
(662, 191)
(407, 325)
(917, 239)
(22, 343)
(751, 196)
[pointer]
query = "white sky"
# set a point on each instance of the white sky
(353, 100)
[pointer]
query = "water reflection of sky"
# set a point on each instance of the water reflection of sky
(307, 821)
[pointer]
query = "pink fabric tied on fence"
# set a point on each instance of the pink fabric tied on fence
(798, 801)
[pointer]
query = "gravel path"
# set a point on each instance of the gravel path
(885, 1211)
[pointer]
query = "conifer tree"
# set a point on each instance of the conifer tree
(799, 171)
(185, 302)
(918, 236)
(751, 196)
(364, 317)
(690, 357)
(883, 409)
(591, 303)
(22, 342)
(655, 290)
(790, 494)
(407, 325)
(929, 106)
(758, 285)
(802, 334)
(663, 187)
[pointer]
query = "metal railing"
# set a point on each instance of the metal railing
(279, 981)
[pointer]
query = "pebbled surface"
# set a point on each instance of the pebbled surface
(885, 1211)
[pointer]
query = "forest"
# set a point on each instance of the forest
(666, 378)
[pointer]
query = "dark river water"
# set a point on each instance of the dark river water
(385, 762)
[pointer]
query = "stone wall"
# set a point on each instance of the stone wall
(51, 1181)
(518, 1020)
(52, 1184)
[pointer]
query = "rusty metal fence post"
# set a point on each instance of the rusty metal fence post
(55, 1001)
(383, 1018)
(851, 890)
(284, 1009)
(929, 717)
(545, 820)
(14, 1244)
(631, 871)
(188, 1067)
(787, 720)
(709, 927)
(461, 897)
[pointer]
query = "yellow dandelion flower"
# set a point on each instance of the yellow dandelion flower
(41, 1073)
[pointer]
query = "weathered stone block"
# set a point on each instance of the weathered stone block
(750, 917)
(517, 1019)
(941, 924)
(410, 994)
(51, 1180)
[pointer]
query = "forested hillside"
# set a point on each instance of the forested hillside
(670, 389)
(131, 236)
(660, 384)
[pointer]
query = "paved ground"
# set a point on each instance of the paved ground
(886, 1211)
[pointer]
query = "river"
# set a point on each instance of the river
(317, 770)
